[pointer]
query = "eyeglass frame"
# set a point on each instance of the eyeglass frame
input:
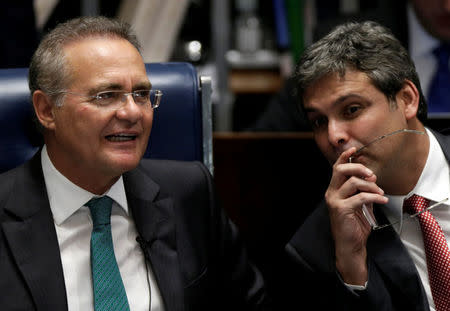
(375, 226)
(157, 94)
(367, 215)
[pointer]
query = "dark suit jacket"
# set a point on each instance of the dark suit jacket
(394, 283)
(194, 251)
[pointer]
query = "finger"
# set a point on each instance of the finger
(354, 203)
(367, 198)
(343, 158)
(353, 169)
(354, 185)
(371, 178)
(342, 172)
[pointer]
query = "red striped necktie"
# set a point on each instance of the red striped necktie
(436, 250)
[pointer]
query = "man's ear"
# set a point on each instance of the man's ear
(43, 108)
(408, 98)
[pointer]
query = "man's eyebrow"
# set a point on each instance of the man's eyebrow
(338, 101)
(143, 86)
(116, 86)
(104, 87)
(347, 96)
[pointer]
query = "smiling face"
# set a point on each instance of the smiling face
(91, 145)
(350, 112)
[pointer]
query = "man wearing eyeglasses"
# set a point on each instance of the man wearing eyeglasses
(374, 243)
(87, 224)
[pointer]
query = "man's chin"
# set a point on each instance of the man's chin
(124, 164)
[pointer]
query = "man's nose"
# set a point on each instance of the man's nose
(337, 133)
(130, 110)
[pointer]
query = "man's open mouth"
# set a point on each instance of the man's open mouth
(120, 137)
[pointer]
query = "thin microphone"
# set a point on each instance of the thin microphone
(141, 242)
(145, 246)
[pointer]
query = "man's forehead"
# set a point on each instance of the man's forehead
(335, 87)
(96, 42)
(319, 86)
(92, 37)
(338, 79)
(105, 60)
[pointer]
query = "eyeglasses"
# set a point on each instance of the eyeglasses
(367, 214)
(381, 138)
(116, 99)
(376, 226)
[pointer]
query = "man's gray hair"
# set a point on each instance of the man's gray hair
(48, 68)
(367, 47)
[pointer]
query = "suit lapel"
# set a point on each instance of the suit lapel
(392, 259)
(32, 239)
(384, 247)
(154, 218)
(317, 253)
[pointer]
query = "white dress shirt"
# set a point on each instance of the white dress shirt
(421, 46)
(73, 228)
(433, 184)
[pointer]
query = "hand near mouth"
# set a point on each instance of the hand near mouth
(351, 186)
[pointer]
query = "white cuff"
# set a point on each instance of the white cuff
(356, 287)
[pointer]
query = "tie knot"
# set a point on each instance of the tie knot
(415, 204)
(100, 210)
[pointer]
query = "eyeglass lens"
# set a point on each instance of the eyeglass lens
(116, 99)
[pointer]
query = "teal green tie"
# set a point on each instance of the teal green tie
(109, 292)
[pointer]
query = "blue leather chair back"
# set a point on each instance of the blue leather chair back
(181, 125)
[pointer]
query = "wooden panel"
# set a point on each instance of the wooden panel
(254, 81)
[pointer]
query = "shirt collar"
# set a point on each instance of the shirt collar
(66, 198)
(433, 183)
(421, 43)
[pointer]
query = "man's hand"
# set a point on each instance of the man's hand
(351, 186)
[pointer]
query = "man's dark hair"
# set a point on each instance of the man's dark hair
(366, 47)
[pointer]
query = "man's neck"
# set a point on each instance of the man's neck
(85, 179)
(405, 170)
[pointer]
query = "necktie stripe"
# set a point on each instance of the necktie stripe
(109, 292)
(436, 250)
